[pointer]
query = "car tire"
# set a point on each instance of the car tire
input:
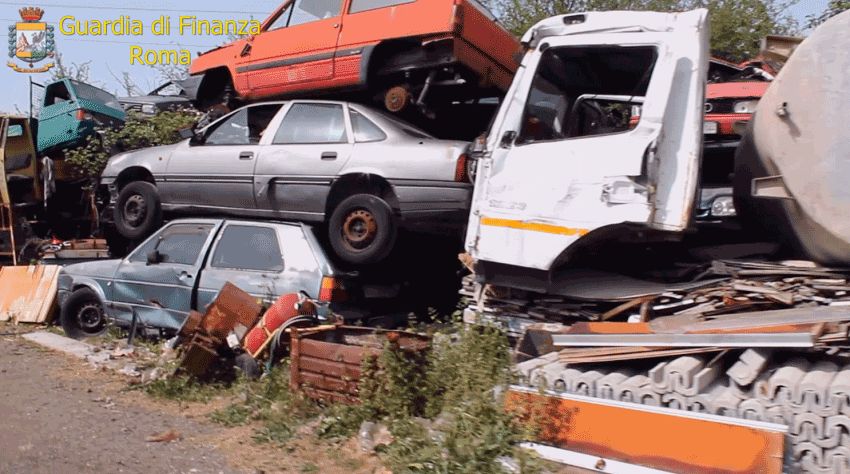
(82, 315)
(138, 210)
(362, 229)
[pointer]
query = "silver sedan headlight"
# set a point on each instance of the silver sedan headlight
(745, 106)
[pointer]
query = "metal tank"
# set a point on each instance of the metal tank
(792, 169)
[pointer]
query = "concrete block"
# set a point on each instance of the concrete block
(630, 389)
(524, 369)
(585, 384)
(839, 391)
(608, 386)
(782, 385)
(63, 344)
(749, 366)
(813, 390)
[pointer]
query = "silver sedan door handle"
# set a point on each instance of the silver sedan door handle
(246, 155)
(328, 155)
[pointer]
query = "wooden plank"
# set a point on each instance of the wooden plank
(743, 340)
(29, 293)
(659, 438)
(755, 319)
(647, 353)
(609, 328)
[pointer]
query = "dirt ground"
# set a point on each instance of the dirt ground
(60, 415)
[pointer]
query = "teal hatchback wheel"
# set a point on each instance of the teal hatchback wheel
(83, 315)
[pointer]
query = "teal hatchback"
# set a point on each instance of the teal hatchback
(71, 111)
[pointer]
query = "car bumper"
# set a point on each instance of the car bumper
(434, 207)
(61, 297)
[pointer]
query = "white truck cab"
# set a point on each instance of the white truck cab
(601, 128)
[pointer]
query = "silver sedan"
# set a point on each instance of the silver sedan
(362, 173)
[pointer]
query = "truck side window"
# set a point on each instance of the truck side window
(248, 248)
(306, 11)
(358, 6)
(56, 93)
(584, 91)
(312, 123)
(245, 127)
(179, 243)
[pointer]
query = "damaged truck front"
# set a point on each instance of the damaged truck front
(599, 138)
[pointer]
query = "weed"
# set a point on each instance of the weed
(182, 388)
(341, 421)
(442, 411)
(309, 467)
(232, 415)
(270, 402)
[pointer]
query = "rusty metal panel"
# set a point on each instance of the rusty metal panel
(660, 438)
(200, 356)
(330, 368)
(231, 307)
(326, 362)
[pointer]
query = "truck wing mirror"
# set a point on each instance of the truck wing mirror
(508, 139)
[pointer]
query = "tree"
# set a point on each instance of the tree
(77, 71)
(737, 26)
(833, 8)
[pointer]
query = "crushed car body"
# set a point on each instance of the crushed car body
(184, 265)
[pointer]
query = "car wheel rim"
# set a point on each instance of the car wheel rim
(90, 317)
(359, 229)
(135, 210)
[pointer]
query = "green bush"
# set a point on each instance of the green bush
(442, 412)
(137, 132)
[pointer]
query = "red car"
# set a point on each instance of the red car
(400, 52)
(731, 97)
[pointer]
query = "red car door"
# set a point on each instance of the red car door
(296, 46)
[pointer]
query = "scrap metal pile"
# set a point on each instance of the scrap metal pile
(723, 287)
(767, 342)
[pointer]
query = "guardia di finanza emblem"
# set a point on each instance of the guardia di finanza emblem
(30, 41)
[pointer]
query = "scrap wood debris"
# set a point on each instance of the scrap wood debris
(760, 345)
(164, 437)
(735, 287)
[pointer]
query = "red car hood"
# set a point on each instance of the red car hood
(734, 90)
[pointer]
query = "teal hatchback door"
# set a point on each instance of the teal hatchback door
(161, 293)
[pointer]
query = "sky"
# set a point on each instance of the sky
(109, 56)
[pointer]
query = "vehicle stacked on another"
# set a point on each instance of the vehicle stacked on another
(399, 52)
(358, 172)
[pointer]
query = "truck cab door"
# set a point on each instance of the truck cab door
(598, 129)
(295, 46)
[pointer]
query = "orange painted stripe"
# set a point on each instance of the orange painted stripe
(532, 226)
